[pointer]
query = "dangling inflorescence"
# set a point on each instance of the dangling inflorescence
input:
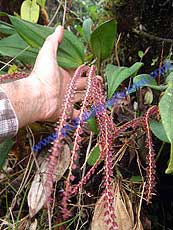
(58, 143)
(74, 153)
(106, 137)
(94, 98)
(150, 157)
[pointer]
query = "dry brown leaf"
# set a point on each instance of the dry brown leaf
(138, 226)
(37, 195)
(128, 205)
(23, 224)
(33, 225)
(98, 218)
(123, 219)
(123, 212)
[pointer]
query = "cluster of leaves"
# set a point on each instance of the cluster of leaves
(23, 42)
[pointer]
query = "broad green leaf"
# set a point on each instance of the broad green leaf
(169, 78)
(158, 130)
(166, 112)
(30, 11)
(41, 2)
(102, 39)
(94, 155)
(5, 148)
(33, 34)
(116, 75)
(87, 24)
(14, 46)
(6, 28)
(3, 14)
(70, 52)
(93, 125)
(145, 80)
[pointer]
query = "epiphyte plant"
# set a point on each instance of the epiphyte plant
(95, 103)
(109, 133)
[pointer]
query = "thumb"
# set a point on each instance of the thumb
(59, 32)
(52, 41)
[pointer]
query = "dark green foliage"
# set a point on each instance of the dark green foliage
(5, 148)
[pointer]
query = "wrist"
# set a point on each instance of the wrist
(26, 99)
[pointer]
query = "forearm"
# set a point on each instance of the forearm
(26, 99)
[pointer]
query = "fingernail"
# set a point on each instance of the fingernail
(59, 29)
(60, 32)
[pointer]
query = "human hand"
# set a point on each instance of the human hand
(40, 96)
(53, 79)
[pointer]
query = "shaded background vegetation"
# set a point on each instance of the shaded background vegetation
(144, 25)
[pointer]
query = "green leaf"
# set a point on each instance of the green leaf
(12, 69)
(41, 2)
(136, 179)
(148, 97)
(166, 111)
(87, 24)
(144, 80)
(102, 39)
(158, 130)
(140, 53)
(70, 52)
(94, 155)
(31, 33)
(93, 125)
(3, 14)
(5, 148)
(14, 46)
(169, 78)
(6, 28)
(30, 11)
(116, 75)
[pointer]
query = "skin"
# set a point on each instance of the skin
(40, 96)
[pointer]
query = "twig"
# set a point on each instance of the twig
(139, 208)
(64, 15)
(2, 62)
(21, 52)
(116, 49)
(55, 14)
(152, 37)
(72, 12)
